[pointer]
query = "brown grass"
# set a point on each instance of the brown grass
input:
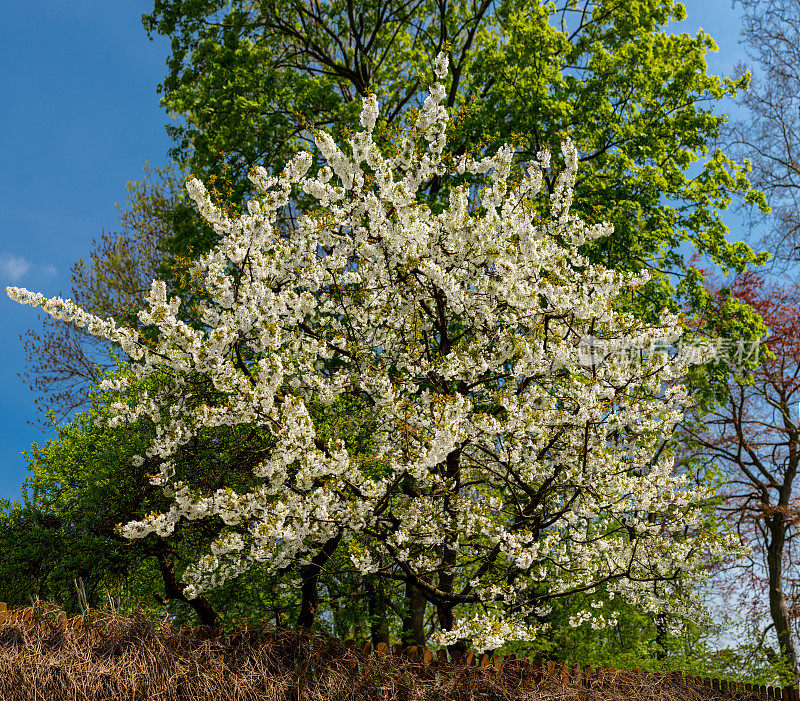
(103, 655)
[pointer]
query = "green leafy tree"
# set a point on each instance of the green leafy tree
(83, 482)
(250, 82)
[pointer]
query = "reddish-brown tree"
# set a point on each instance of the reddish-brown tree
(754, 439)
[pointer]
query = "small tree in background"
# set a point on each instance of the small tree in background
(768, 136)
(65, 362)
(755, 440)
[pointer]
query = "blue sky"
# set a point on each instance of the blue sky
(80, 119)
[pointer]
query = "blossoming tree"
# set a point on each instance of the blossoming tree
(496, 486)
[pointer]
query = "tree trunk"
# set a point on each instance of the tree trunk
(310, 597)
(777, 599)
(377, 604)
(414, 619)
(661, 636)
(660, 622)
(447, 621)
(339, 624)
(174, 590)
(308, 587)
(444, 612)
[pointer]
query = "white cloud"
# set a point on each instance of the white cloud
(13, 268)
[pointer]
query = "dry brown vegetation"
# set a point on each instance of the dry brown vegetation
(103, 655)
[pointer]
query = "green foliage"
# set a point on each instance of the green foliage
(55, 537)
(639, 642)
(84, 484)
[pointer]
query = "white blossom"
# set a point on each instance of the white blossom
(489, 485)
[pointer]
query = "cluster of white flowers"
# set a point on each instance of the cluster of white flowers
(522, 504)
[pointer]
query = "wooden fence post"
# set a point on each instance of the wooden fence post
(426, 658)
(591, 677)
(564, 674)
(441, 661)
(538, 672)
(351, 661)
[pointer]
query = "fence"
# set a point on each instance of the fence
(574, 674)
(530, 673)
